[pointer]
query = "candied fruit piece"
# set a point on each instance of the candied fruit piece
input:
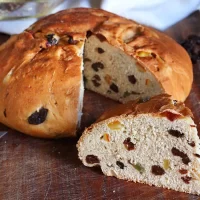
(115, 125)
(170, 116)
(147, 82)
(183, 171)
(143, 54)
(108, 79)
(166, 164)
(139, 168)
(106, 137)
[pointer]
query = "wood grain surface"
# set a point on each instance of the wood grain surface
(34, 169)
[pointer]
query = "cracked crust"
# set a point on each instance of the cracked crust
(37, 74)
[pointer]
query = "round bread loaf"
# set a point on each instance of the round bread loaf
(41, 69)
(153, 142)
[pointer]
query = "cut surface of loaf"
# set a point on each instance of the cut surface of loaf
(41, 69)
(111, 72)
(155, 142)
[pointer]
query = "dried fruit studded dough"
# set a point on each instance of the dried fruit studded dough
(41, 69)
(146, 145)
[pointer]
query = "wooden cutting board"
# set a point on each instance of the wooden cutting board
(34, 169)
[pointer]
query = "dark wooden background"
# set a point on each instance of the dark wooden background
(34, 169)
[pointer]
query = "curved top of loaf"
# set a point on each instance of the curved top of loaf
(153, 50)
(160, 105)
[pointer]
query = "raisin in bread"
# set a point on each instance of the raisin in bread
(41, 74)
(153, 142)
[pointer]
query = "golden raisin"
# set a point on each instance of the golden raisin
(147, 82)
(183, 171)
(108, 79)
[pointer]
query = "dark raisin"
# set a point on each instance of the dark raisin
(120, 164)
(197, 155)
(96, 83)
(153, 55)
(89, 33)
(175, 133)
(177, 152)
(192, 144)
(51, 39)
(91, 159)
(96, 66)
(185, 158)
(183, 171)
(100, 50)
(128, 144)
(97, 77)
(132, 79)
(86, 60)
(186, 179)
(4, 113)
(38, 117)
(101, 37)
(157, 170)
(114, 88)
(72, 41)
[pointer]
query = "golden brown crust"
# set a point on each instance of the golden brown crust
(167, 60)
(161, 105)
(41, 74)
(38, 78)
